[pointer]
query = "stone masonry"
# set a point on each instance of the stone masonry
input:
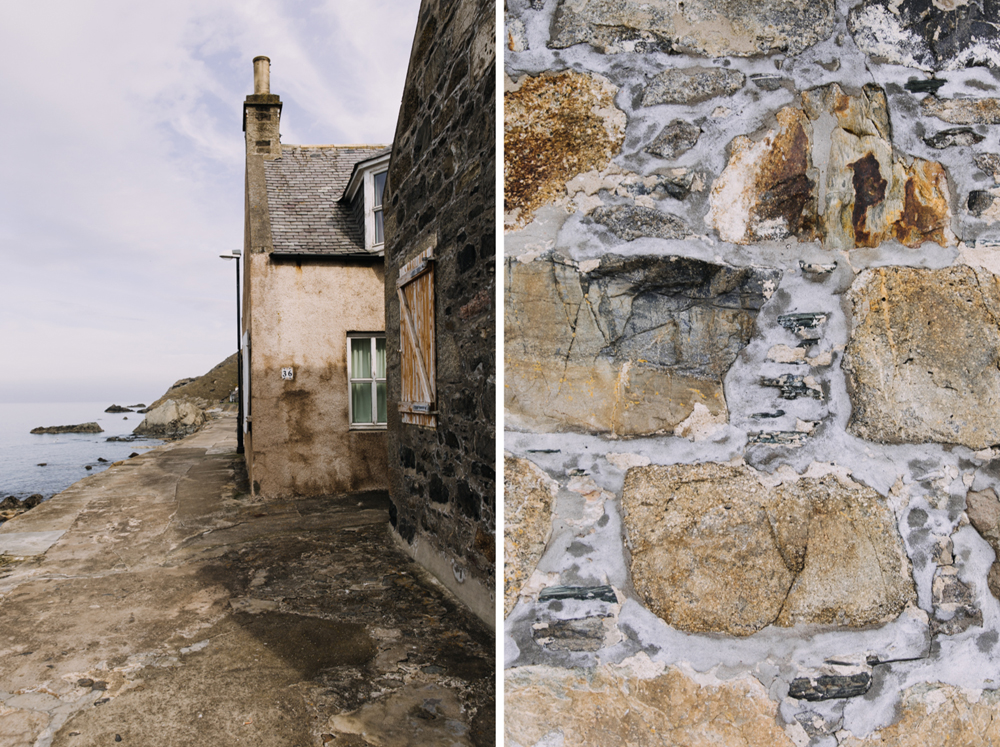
(440, 195)
(752, 343)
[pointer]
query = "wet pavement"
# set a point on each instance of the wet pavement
(166, 607)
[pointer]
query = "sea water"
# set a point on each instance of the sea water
(65, 456)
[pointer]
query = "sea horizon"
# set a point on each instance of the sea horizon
(47, 464)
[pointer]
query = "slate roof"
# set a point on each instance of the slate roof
(304, 188)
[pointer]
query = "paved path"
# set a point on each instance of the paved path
(164, 607)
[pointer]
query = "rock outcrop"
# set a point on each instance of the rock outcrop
(12, 506)
(81, 428)
(171, 420)
(714, 550)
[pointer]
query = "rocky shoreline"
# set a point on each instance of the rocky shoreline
(12, 506)
(81, 428)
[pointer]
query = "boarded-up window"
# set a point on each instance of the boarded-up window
(415, 288)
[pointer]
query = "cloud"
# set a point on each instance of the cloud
(123, 173)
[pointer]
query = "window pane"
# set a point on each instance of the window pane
(361, 359)
(379, 357)
(361, 402)
(379, 238)
(380, 387)
(379, 188)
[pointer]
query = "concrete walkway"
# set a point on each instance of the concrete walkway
(156, 604)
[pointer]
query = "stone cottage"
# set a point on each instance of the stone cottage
(313, 317)
(752, 375)
(439, 299)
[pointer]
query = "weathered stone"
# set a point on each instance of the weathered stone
(983, 509)
(676, 138)
(767, 191)
(767, 82)
(988, 163)
(627, 347)
(528, 496)
(954, 603)
(630, 222)
(581, 634)
(963, 111)
(922, 356)
(713, 28)
(928, 34)
(555, 127)
(938, 714)
(609, 706)
(715, 550)
(980, 202)
(692, 85)
(872, 193)
(830, 686)
(955, 137)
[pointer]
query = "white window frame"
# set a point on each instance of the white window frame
(351, 379)
(370, 210)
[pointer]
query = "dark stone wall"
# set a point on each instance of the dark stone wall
(441, 193)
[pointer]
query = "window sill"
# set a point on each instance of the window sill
(363, 427)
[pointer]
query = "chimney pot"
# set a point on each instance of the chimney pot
(261, 75)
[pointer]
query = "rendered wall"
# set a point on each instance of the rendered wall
(302, 312)
(751, 376)
(440, 195)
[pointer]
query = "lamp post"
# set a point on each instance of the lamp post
(236, 253)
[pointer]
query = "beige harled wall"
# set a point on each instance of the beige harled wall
(301, 315)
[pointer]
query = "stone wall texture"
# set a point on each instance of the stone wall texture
(752, 372)
(440, 194)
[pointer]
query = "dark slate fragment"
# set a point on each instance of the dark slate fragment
(676, 138)
(803, 323)
(767, 82)
(923, 34)
(582, 634)
(830, 686)
(777, 438)
(952, 137)
(791, 387)
(988, 163)
(924, 86)
(665, 185)
(765, 415)
(583, 593)
(630, 222)
(979, 201)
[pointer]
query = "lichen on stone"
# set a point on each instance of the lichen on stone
(555, 127)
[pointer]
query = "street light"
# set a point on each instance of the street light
(236, 253)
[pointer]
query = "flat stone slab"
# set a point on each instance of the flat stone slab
(28, 543)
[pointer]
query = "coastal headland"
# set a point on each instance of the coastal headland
(158, 603)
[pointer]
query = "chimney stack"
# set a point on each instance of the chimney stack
(262, 113)
(261, 75)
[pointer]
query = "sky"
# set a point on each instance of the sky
(122, 177)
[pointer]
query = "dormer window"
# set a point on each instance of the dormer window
(364, 192)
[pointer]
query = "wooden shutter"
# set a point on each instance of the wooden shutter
(415, 289)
